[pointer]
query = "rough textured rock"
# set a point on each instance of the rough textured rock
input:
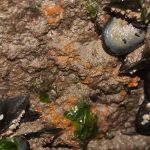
(53, 46)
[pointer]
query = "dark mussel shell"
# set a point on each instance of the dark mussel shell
(22, 143)
(134, 67)
(30, 116)
(147, 85)
(120, 37)
(10, 109)
(46, 130)
(143, 115)
(142, 122)
(125, 4)
(143, 64)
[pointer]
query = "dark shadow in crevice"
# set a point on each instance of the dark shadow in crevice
(50, 145)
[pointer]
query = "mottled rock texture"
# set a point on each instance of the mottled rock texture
(53, 46)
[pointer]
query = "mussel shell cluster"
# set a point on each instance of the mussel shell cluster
(126, 28)
(121, 37)
(11, 112)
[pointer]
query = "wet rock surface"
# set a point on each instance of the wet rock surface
(52, 46)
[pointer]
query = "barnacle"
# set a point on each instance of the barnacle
(109, 135)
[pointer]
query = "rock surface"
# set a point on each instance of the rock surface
(53, 46)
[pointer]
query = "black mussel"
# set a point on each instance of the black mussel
(11, 111)
(22, 143)
(141, 63)
(14, 143)
(143, 116)
(142, 122)
(135, 67)
(137, 10)
(121, 38)
(125, 4)
(147, 85)
(30, 116)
